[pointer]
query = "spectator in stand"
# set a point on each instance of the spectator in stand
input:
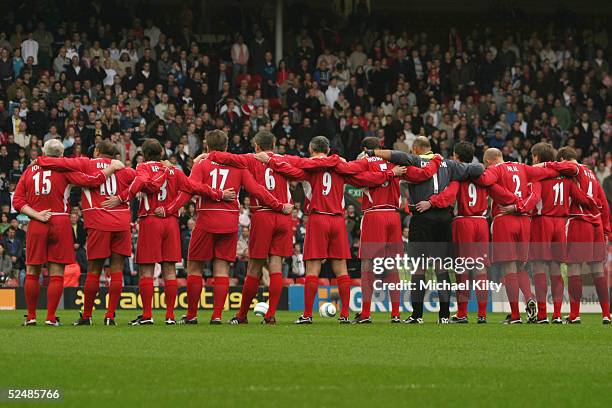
(240, 58)
(6, 265)
(13, 247)
(79, 237)
(297, 262)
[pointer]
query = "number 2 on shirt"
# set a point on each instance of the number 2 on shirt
(517, 184)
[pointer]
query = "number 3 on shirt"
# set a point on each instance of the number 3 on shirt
(327, 183)
(163, 191)
(215, 177)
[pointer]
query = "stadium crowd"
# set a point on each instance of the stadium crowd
(82, 81)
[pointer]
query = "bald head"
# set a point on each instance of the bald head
(421, 145)
(53, 148)
(492, 156)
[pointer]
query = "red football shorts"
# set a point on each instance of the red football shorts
(326, 237)
(159, 240)
(271, 234)
(510, 237)
(101, 244)
(548, 239)
(585, 242)
(381, 234)
(471, 238)
(206, 246)
(50, 242)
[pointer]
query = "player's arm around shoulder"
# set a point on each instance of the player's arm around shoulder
(354, 167)
(396, 157)
(81, 164)
(489, 176)
(282, 165)
(375, 178)
(85, 180)
(242, 161)
(464, 171)
(565, 168)
(417, 174)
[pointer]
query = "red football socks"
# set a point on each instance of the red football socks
(221, 287)
(274, 293)
(556, 288)
(344, 288)
(145, 287)
(541, 289)
(249, 291)
(170, 290)
(482, 296)
(54, 294)
(92, 285)
(394, 295)
(525, 284)
(310, 292)
(601, 286)
(463, 296)
(194, 292)
(32, 290)
(574, 288)
(114, 293)
(512, 291)
(367, 282)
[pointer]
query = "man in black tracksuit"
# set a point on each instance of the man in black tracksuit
(430, 229)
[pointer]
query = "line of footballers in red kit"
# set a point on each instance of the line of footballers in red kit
(558, 206)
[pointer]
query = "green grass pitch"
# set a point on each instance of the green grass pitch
(323, 365)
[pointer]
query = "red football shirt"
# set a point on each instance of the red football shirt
(515, 177)
(162, 185)
(471, 199)
(275, 182)
(323, 180)
(222, 216)
(94, 215)
(44, 189)
(588, 183)
(554, 196)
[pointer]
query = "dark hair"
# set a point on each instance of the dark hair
(216, 140)
(265, 140)
(320, 144)
(567, 153)
(152, 150)
(106, 148)
(544, 151)
(465, 151)
(370, 143)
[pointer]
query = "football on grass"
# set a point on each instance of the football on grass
(261, 309)
(327, 310)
